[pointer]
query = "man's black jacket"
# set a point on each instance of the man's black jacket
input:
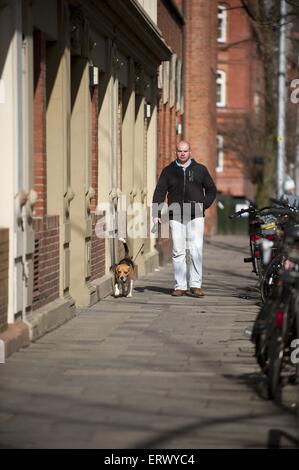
(194, 185)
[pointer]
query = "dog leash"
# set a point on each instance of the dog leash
(138, 252)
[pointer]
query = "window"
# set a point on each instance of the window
(179, 86)
(256, 98)
(221, 89)
(166, 76)
(219, 154)
(172, 85)
(222, 23)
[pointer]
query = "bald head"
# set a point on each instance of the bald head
(183, 151)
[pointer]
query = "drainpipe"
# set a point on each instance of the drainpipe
(296, 172)
(21, 196)
(20, 95)
(281, 133)
(114, 161)
(24, 200)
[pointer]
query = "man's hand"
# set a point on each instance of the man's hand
(156, 222)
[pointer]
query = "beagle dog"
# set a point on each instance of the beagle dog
(123, 274)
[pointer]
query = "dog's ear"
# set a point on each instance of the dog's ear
(132, 269)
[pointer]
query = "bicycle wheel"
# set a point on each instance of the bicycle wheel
(270, 277)
(252, 253)
(279, 345)
(276, 353)
(296, 309)
(261, 332)
(259, 269)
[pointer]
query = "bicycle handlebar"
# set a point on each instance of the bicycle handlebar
(267, 210)
(242, 211)
(280, 202)
(276, 211)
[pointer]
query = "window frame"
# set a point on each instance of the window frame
(221, 80)
(219, 153)
(222, 16)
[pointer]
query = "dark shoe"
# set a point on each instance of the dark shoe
(195, 292)
(178, 293)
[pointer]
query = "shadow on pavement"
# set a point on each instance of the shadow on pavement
(161, 440)
(275, 437)
(160, 290)
(229, 246)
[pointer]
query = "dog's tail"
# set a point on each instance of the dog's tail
(125, 246)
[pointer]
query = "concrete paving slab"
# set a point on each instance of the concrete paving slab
(149, 372)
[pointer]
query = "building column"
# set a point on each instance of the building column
(105, 135)
(97, 244)
(14, 193)
(128, 135)
(59, 191)
(81, 226)
(139, 171)
(128, 146)
(200, 76)
(152, 258)
(40, 127)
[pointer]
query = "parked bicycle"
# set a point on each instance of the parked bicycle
(285, 219)
(277, 325)
(263, 235)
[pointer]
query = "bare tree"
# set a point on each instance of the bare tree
(264, 17)
(244, 137)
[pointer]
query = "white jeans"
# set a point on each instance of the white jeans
(188, 235)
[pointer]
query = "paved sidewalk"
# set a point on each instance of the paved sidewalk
(153, 371)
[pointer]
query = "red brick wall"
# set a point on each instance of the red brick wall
(163, 245)
(97, 251)
(160, 134)
(242, 68)
(97, 244)
(39, 123)
(4, 250)
(46, 261)
(200, 73)
(172, 31)
(94, 143)
(170, 27)
(46, 228)
(168, 143)
(231, 180)
(179, 4)
(167, 135)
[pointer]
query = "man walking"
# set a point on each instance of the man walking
(190, 191)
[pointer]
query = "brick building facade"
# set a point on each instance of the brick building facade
(238, 96)
(171, 105)
(79, 124)
(94, 98)
(46, 228)
(190, 29)
(200, 72)
(171, 24)
(4, 250)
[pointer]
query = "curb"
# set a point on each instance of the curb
(15, 337)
